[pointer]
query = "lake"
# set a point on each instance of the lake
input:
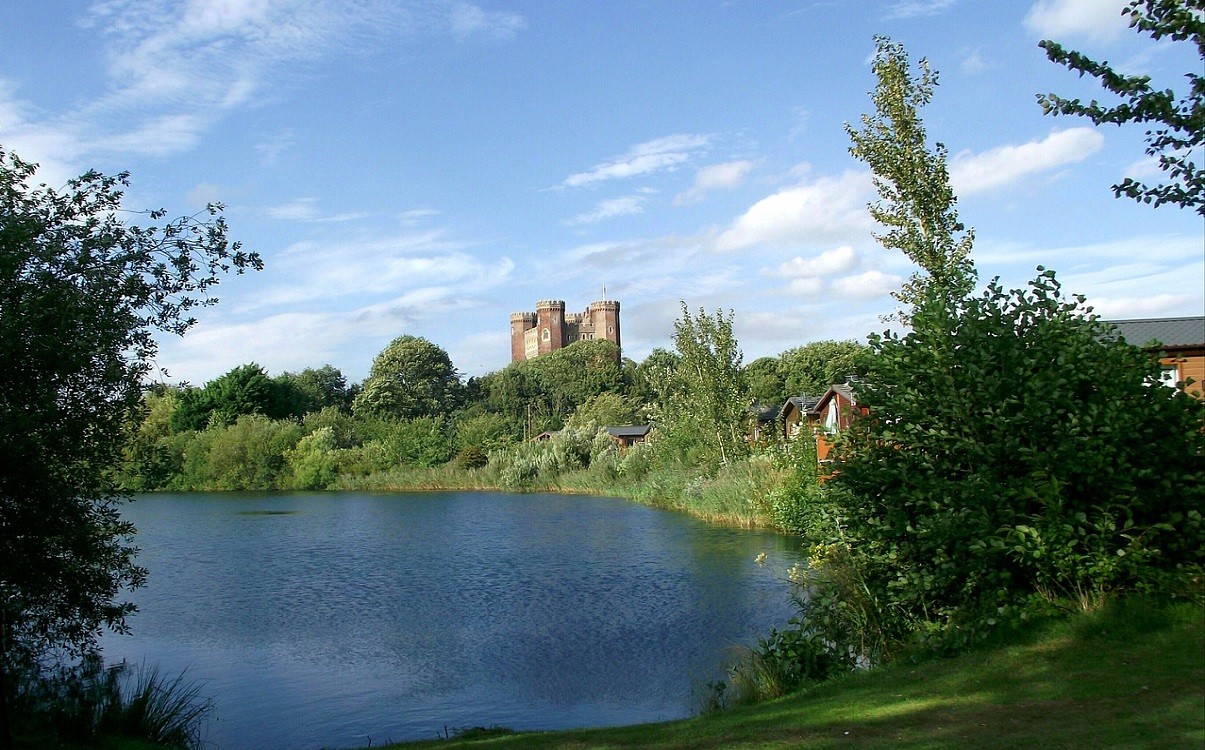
(336, 619)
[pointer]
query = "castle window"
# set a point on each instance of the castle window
(610, 329)
(546, 335)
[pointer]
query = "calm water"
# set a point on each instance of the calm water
(329, 620)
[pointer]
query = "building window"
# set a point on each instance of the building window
(610, 329)
(1169, 375)
(546, 335)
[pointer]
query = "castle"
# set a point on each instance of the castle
(549, 328)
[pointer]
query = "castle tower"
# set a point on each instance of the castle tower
(550, 325)
(605, 316)
(520, 324)
(550, 328)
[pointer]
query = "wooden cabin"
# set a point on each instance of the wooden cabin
(1180, 343)
(832, 414)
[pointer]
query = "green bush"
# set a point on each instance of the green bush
(314, 461)
(1016, 454)
(246, 455)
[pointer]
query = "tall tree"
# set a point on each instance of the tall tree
(81, 294)
(916, 201)
(1177, 131)
(708, 400)
(410, 378)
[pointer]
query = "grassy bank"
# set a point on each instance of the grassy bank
(1130, 676)
(733, 496)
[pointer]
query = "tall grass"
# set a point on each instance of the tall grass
(148, 706)
(88, 703)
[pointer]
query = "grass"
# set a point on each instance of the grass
(732, 497)
(1127, 676)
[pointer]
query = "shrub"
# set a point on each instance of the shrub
(1015, 453)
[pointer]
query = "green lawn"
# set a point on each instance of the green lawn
(1131, 677)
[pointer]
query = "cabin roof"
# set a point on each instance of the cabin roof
(1173, 332)
(622, 431)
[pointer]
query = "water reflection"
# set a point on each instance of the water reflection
(326, 619)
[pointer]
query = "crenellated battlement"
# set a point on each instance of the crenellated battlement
(550, 328)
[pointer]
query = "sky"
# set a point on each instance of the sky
(429, 167)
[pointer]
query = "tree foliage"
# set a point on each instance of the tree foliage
(541, 393)
(81, 294)
(1016, 456)
(707, 399)
(410, 378)
(916, 201)
(312, 390)
(1044, 461)
(1177, 123)
(245, 389)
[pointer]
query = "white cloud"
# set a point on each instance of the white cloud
(624, 206)
(306, 210)
(470, 20)
(823, 210)
(1096, 19)
(866, 285)
(972, 64)
(725, 176)
(808, 286)
(651, 156)
(271, 149)
(322, 274)
(972, 173)
(1141, 306)
(175, 69)
(917, 8)
(827, 263)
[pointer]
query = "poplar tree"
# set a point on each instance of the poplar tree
(916, 202)
(708, 396)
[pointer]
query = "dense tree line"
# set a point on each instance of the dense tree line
(247, 429)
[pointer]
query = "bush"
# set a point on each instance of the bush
(1016, 454)
(247, 455)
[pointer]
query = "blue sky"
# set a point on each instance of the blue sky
(429, 167)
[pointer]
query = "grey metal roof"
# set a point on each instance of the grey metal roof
(629, 430)
(1167, 331)
(803, 403)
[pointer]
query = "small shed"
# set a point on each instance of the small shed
(628, 435)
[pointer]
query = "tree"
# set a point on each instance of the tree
(766, 384)
(812, 368)
(1178, 123)
(1016, 456)
(313, 389)
(410, 378)
(82, 293)
(245, 389)
(708, 400)
(916, 201)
